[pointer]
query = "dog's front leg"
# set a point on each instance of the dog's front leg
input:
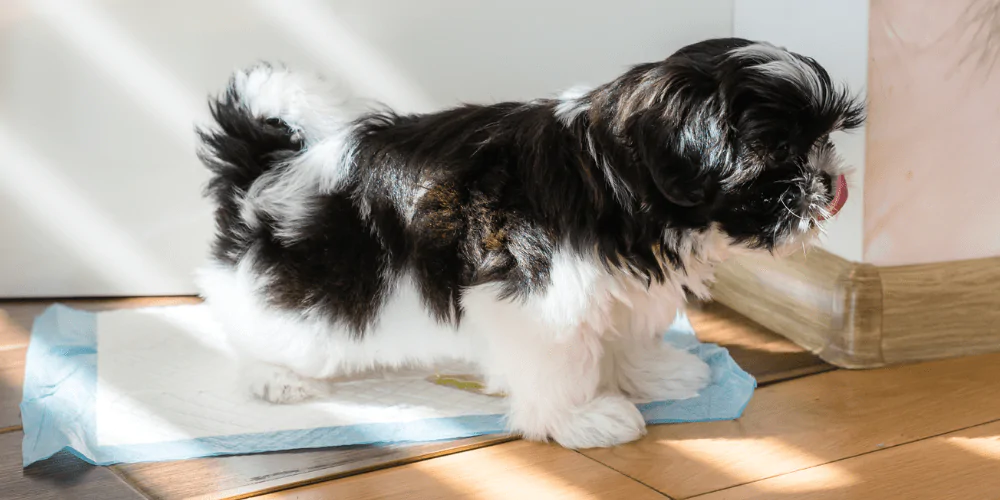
(648, 369)
(553, 386)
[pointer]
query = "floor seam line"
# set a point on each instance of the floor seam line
(869, 452)
(121, 477)
(664, 495)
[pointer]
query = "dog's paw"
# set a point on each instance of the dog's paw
(279, 385)
(663, 373)
(604, 421)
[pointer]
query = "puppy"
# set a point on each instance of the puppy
(548, 242)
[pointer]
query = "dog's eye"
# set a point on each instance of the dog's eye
(782, 152)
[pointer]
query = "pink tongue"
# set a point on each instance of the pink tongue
(839, 198)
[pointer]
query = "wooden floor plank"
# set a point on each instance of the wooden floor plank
(518, 470)
(13, 348)
(11, 383)
(62, 477)
(245, 475)
(960, 465)
(811, 421)
(14, 330)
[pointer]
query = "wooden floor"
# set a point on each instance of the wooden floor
(929, 430)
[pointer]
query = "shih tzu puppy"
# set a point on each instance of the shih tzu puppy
(549, 242)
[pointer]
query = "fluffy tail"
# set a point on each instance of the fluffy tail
(264, 119)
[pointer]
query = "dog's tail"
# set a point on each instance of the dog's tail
(263, 118)
(274, 134)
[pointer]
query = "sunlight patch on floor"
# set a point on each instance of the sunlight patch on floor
(773, 455)
(986, 447)
(465, 476)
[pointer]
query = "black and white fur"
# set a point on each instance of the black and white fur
(548, 242)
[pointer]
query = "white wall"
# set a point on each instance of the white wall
(99, 186)
(835, 33)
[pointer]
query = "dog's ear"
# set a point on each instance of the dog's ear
(679, 181)
(674, 162)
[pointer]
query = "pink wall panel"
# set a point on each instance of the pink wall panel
(932, 179)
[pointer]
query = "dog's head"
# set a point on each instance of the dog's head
(734, 134)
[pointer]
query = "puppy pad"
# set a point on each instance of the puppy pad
(161, 383)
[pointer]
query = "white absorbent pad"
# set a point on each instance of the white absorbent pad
(162, 384)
